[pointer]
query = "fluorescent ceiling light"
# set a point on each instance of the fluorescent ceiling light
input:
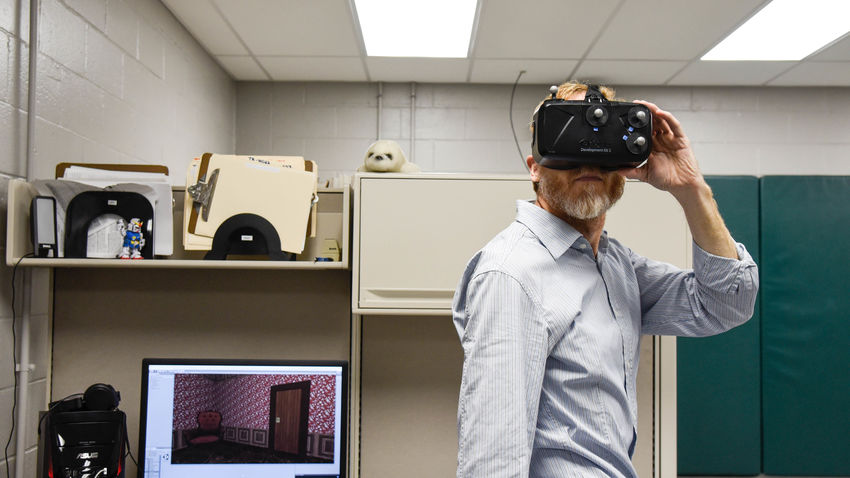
(416, 28)
(785, 30)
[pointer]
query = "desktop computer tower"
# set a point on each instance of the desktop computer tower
(81, 438)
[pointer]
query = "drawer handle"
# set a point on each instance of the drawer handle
(399, 292)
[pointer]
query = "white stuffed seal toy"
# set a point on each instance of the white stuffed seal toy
(385, 156)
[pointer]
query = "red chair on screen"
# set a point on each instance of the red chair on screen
(208, 431)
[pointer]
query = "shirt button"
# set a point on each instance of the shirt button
(582, 246)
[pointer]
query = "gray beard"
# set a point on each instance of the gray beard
(587, 206)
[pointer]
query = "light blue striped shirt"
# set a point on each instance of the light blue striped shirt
(551, 337)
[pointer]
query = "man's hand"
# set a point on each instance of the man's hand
(671, 166)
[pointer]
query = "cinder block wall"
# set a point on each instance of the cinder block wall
(465, 128)
(119, 81)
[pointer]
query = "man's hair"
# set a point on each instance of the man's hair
(565, 90)
(569, 88)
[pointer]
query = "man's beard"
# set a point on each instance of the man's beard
(584, 204)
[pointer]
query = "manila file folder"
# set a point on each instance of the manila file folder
(276, 191)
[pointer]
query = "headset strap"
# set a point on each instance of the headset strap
(594, 94)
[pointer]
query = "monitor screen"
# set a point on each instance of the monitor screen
(242, 418)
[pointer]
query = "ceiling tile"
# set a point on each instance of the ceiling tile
(543, 29)
(242, 68)
(290, 68)
(669, 29)
(645, 42)
(627, 72)
(208, 27)
(730, 72)
(536, 71)
(293, 27)
(424, 70)
(813, 73)
(838, 51)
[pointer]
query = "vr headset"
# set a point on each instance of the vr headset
(610, 135)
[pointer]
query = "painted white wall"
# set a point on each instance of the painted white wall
(465, 128)
(119, 81)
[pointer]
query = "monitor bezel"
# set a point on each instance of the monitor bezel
(143, 404)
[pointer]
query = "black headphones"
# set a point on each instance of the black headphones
(99, 396)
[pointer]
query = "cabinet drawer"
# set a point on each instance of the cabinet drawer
(414, 235)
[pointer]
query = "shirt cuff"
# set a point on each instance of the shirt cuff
(721, 273)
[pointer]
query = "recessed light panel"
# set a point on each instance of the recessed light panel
(785, 30)
(408, 28)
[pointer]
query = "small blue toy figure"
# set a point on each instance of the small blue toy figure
(133, 239)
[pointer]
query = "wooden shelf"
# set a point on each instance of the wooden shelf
(332, 223)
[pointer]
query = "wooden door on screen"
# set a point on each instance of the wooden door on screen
(290, 409)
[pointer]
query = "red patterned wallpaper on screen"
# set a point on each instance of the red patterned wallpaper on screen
(244, 401)
(192, 394)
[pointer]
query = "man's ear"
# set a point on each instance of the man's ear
(533, 168)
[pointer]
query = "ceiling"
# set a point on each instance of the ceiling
(622, 42)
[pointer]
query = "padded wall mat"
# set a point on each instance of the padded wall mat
(805, 230)
(719, 409)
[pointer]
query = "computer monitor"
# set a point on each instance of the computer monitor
(245, 418)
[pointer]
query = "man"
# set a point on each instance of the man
(551, 311)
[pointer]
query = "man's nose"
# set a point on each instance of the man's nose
(587, 168)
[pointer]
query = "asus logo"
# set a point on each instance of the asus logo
(88, 456)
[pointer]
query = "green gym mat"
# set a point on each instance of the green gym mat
(719, 410)
(805, 230)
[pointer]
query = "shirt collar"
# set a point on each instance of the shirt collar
(554, 233)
